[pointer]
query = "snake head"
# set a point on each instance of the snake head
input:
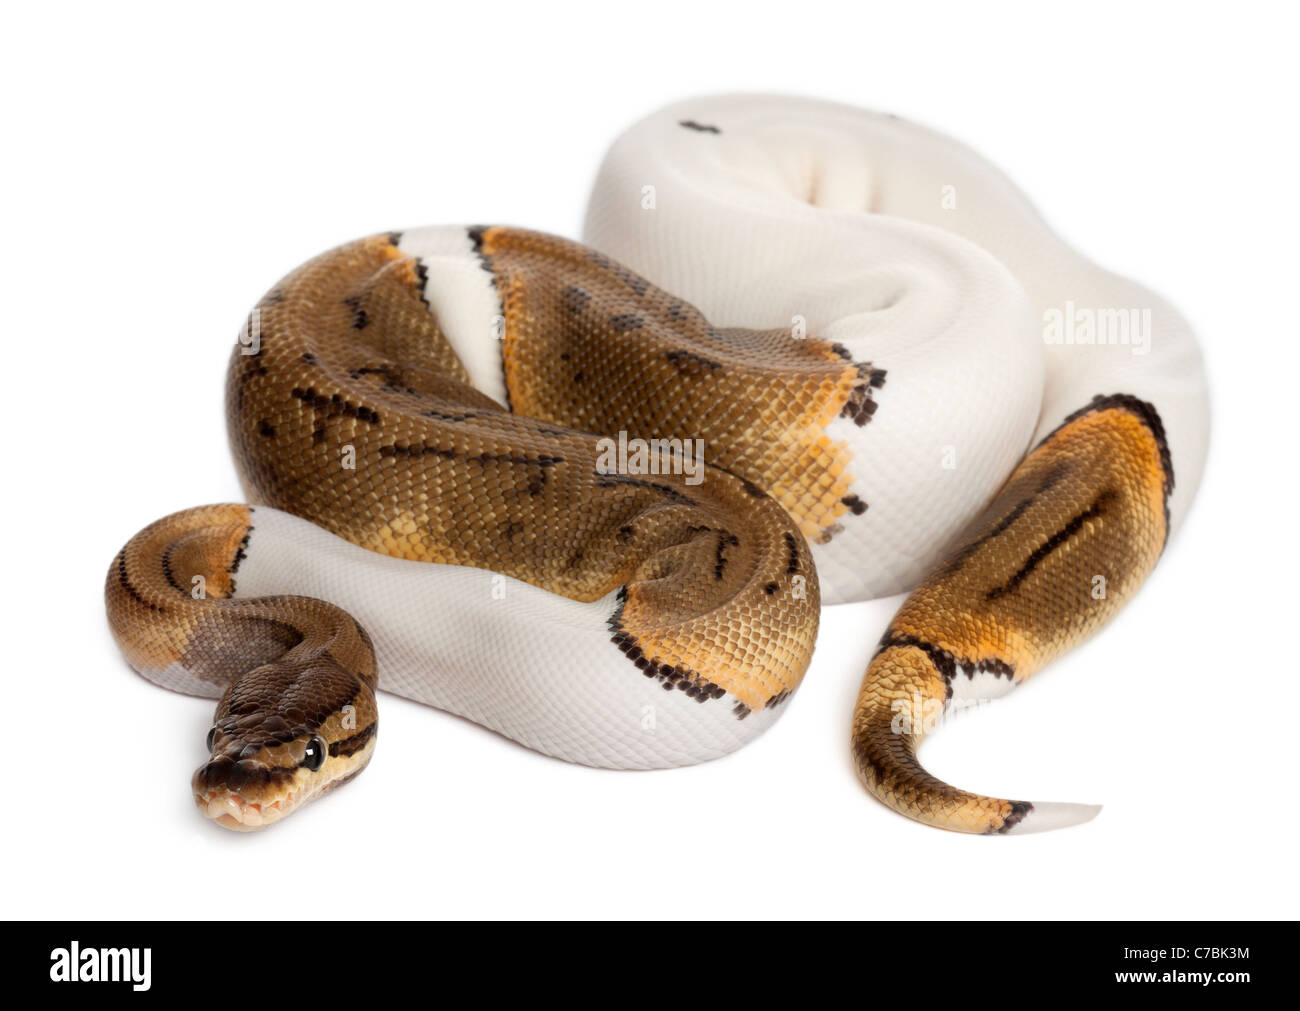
(283, 735)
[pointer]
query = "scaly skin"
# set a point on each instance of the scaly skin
(349, 358)
(718, 591)
(1063, 547)
(298, 673)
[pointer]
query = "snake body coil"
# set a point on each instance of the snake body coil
(591, 496)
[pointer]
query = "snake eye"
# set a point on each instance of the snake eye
(314, 757)
(212, 738)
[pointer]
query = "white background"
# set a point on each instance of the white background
(164, 167)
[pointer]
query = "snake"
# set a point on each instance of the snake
(593, 494)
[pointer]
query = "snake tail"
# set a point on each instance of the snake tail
(1074, 532)
(295, 675)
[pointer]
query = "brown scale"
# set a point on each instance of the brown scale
(1026, 584)
(599, 350)
(351, 359)
(352, 363)
(718, 592)
(288, 668)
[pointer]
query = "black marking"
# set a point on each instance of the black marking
(422, 275)
(994, 666)
(127, 585)
(1004, 524)
(615, 480)
(855, 504)
(725, 540)
(945, 662)
(331, 406)
(241, 553)
(575, 299)
(476, 235)
(334, 405)
(1051, 544)
(309, 358)
(254, 369)
(669, 676)
(690, 124)
(167, 571)
(363, 635)
(351, 745)
(626, 321)
(266, 429)
(1019, 809)
(237, 776)
(1049, 481)
(688, 363)
(385, 371)
(860, 405)
(1148, 415)
(417, 451)
(792, 546)
(636, 282)
(392, 374)
(771, 588)
(360, 319)
(444, 416)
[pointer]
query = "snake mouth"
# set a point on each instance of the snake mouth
(237, 800)
(230, 810)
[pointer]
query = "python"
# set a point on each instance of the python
(472, 372)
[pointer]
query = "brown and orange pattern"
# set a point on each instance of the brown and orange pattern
(605, 351)
(344, 359)
(1064, 546)
(349, 407)
(351, 356)
(294, 673)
